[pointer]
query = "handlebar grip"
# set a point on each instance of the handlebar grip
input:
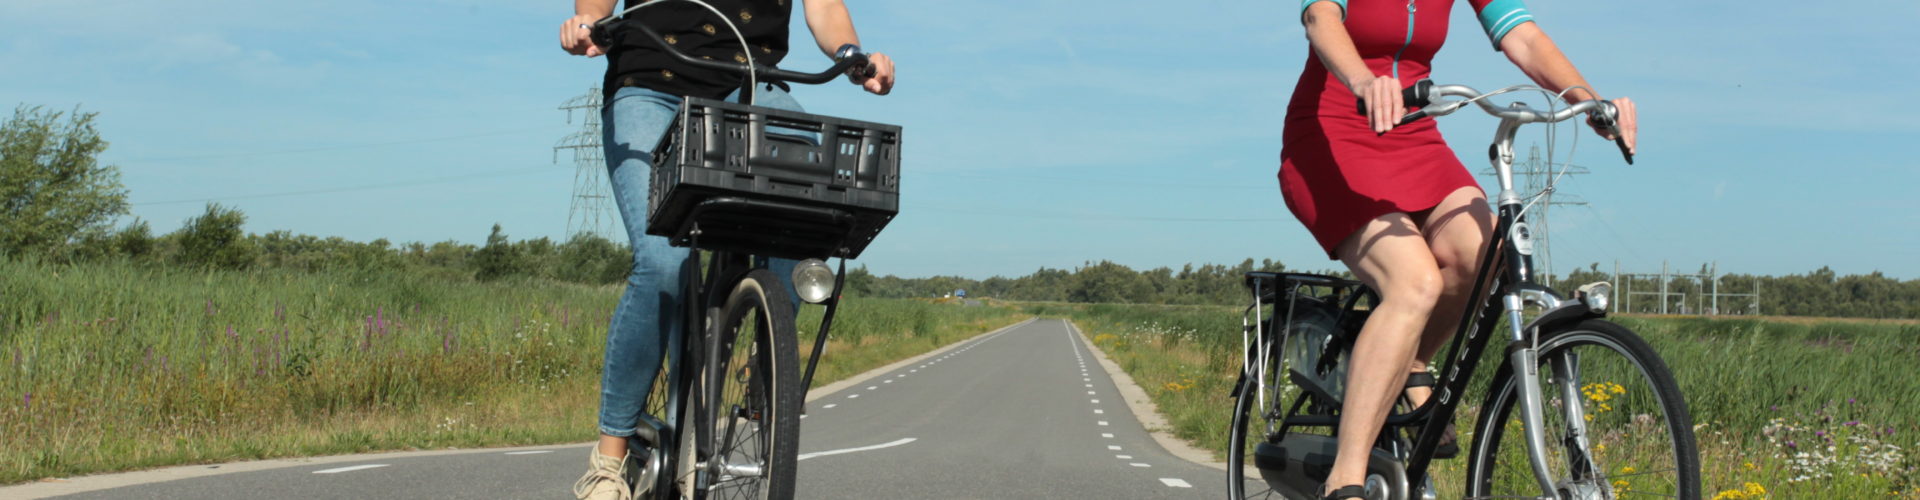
(1608, 118)
(1418, 96)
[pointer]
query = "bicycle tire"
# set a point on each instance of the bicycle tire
(754, 437)
(1249, 425)
(1592, 468)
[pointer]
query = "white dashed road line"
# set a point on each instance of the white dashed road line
(902, 441)
(1174, 483)
(350, 469)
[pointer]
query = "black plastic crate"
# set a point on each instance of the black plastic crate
(827, 191)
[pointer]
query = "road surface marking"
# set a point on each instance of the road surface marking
(350, 469)
(1138, 464)
(902, 441)
(872, 387)
(1096, 401)
(534, 452)
(1124, 457)
(851, 396)
(916, 370)
(887, 381)
(830, 406)
(1103, 422)
(1174, 483)
(1097, 411)
(1107, 435)
(1112, 447)
(1089, 386)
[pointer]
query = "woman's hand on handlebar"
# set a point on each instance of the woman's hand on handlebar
(575, 36)
(877, 77)
(1628, 124)
(1385, 106)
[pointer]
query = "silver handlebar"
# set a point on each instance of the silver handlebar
(1604, 114)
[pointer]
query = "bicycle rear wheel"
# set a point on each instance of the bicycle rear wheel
(1615, 421)
(1257, 407)
(752, 405)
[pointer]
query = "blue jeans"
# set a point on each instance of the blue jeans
(650, 310)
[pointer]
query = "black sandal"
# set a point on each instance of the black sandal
(1354, 491)
(1449, 446)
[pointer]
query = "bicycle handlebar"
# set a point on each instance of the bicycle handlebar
(1424, 94)
(848, 60)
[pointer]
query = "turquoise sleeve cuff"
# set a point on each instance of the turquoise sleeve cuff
(1500, 16)
(1342, 3)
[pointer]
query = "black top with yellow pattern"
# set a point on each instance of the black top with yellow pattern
(635, 61)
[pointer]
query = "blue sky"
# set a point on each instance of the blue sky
(1038, 132)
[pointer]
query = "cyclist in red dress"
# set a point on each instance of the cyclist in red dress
(1393, 203)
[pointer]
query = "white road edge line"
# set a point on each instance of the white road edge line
(902, 441)
(350, 469)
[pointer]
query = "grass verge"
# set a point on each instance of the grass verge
(117, 366)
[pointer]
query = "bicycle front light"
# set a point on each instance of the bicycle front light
(1598, 296)
(813, 280)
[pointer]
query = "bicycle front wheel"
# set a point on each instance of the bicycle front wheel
(1615, 423)
(753, 400)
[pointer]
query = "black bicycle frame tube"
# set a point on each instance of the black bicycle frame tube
(820, 340)
(1496, 278)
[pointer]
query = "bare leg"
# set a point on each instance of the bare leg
(1456, 230)
(1390, 255)
(611, 446)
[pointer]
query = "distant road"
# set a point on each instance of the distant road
(1024, 413)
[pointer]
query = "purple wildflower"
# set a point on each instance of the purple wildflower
(27, 400)
(1791, 444)
(380, 320)
(1776, 407)
(1849, 400)
(1820, 433)
(232, 334)
(1851, 423)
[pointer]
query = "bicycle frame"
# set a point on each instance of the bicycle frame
(1505, 286)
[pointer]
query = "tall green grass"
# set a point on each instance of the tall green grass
(1767, 397)
(115, 366)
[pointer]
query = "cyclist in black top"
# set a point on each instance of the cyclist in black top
(643, 88)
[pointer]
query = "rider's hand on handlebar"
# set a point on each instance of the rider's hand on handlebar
(878, 76)
(576, 40)
(1629, 123)
(1385, 106)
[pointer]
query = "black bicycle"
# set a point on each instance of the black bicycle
(746, 184)
(1599, 414)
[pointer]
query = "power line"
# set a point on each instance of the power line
(334, 148)
(1079, 181)
(1030, 214)
(364, 187)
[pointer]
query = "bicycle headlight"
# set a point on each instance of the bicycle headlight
(813, 280)
(1598, 296)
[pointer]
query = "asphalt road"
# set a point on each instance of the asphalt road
(1023, 413)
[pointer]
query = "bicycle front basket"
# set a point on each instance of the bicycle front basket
(771, 182)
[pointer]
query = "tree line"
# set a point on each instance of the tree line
(58, 203)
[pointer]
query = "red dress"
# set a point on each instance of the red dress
(1335, 174)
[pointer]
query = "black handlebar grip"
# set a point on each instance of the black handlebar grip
(1418, 96)
(857, 65)
(1607, 118)
(598, 33)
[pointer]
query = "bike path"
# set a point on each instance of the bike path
(1022, 413)
(1025, 413)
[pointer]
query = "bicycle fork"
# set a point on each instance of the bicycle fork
(1525, 358)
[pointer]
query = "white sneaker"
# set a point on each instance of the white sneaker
(605, 479)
